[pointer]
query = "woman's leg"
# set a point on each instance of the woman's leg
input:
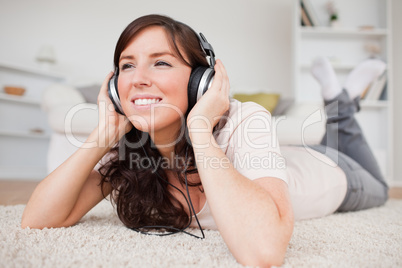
(342, 124)
(366, 185)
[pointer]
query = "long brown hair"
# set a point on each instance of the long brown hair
(142, 198)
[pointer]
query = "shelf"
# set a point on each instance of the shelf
(347, 46)
(20, 99)
(374, 104)
(24, 127)
(24, 134)
(337, 32)
(30, 70)
(336, 66)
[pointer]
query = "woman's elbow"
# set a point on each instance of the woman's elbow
(31, 225)
(265, 254)
(264, 258)
(270, 251)
(27, 222)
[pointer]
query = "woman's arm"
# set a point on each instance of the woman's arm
(255, 218)
(72, 189)
(69, 192)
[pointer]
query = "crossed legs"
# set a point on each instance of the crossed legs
(366, 185)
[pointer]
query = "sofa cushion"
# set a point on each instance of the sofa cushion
(60, 94)
(267, 100)
(78, 119)
(90, 93)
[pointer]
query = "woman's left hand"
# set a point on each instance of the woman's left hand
(212, 105)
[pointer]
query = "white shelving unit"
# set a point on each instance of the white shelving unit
(24, 132)
(345, 47)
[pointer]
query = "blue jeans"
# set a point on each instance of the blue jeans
(346, 145)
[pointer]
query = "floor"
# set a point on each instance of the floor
(18, 192)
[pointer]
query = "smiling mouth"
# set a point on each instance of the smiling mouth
(146, 101)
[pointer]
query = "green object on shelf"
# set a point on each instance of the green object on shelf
(267, 100)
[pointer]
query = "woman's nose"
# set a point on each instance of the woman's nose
(141, 77)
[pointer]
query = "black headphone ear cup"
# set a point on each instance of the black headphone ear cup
(114, 94)
(199, 82)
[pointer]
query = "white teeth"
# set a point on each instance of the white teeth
(145, 101)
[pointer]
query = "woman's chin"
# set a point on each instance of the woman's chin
(139, 122)
(141, 127)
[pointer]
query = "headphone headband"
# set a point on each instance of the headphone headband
(208, 49)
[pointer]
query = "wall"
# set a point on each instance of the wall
(251, 37)
(397, 84)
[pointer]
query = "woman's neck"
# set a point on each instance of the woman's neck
(166, 142)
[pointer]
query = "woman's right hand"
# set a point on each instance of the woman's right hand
(112, 126)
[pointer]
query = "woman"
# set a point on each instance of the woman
(238, 179)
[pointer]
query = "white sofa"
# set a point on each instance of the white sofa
(72, 119)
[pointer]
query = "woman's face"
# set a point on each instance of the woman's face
(153, 82)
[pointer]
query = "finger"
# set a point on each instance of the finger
(105, 83)
(223, 69)
(225, 79)
(217, 81)
(218, 77)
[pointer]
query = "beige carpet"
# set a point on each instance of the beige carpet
(370, 238)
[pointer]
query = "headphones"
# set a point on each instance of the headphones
(200, 79)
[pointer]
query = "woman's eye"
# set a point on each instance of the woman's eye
(162, 63)
(126, 66)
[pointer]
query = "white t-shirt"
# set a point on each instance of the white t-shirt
(316, 184)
